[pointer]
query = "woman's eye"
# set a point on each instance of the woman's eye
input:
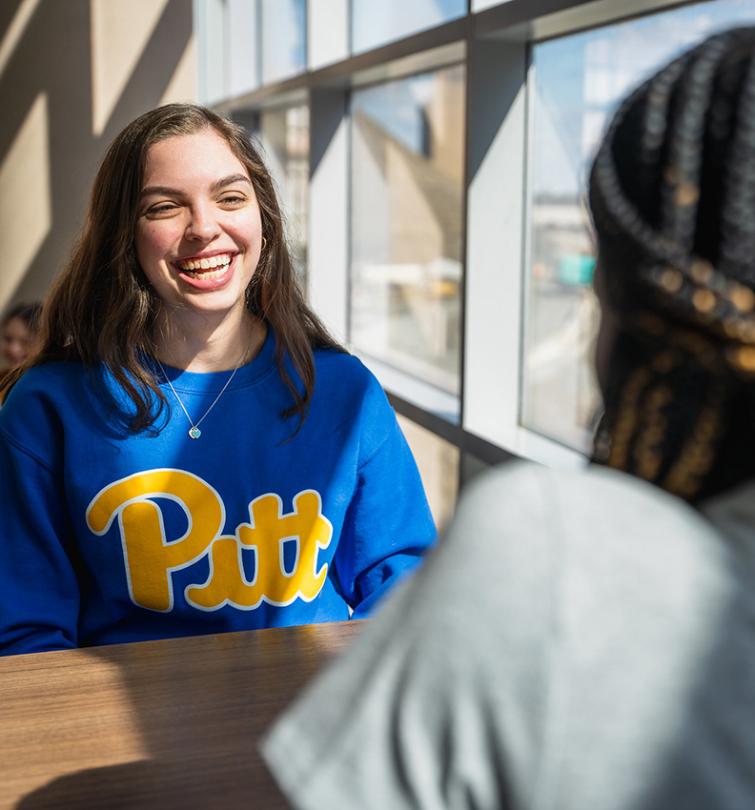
(161, 208)
(233, 199)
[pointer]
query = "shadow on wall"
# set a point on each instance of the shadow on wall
(72, 75)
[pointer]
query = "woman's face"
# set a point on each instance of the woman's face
(16, 342)
(199, 230)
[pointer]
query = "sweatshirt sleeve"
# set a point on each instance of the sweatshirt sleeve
(39, 592)
(388, 525)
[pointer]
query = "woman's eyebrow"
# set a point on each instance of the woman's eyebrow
(166, 190)
(227, 181)
(216, 186)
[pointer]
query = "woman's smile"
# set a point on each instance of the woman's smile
(208, 272)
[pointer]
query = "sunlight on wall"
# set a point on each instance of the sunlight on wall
(25, 208)
(120, 31)
(20, 20)
(183, 83)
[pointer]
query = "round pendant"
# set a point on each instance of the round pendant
(195, 432)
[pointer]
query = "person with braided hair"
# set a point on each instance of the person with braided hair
(672, 195)
(586, 639)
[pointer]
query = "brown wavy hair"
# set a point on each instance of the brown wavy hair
(102, 308)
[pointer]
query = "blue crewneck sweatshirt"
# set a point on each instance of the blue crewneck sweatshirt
(109, 536)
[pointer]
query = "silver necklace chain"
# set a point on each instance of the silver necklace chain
(194, 431)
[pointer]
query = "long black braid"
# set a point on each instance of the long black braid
(672, 194)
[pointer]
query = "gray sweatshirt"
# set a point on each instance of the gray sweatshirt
(581, 641)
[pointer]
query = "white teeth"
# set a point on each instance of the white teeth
(193, 265)
(207, 273)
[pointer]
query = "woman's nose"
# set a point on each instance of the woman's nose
(203, 224)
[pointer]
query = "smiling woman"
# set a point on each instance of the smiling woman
(297, 500)
(198, 240)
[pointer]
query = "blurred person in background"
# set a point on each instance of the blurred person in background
(190, 451)
(18, 332)
(586, 640)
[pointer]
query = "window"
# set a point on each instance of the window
(375, 23)
(283, 38)
(578, 81)
(438, 463)
(452, 162)
(284, 134)
(406, 229)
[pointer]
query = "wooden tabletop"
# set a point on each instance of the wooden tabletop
(159, 724)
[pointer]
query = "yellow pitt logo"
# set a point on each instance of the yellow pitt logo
(150, 557)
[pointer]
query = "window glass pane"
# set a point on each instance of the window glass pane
(406, 226)
(375, 22)
(283, 38)
(284, 134)
(578, 82)
(438, 463)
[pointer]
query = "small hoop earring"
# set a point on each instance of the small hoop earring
(264, 243)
